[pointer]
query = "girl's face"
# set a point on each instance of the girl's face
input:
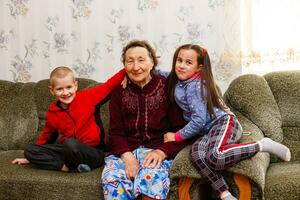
(186, 64)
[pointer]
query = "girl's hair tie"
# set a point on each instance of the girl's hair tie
(204, 52)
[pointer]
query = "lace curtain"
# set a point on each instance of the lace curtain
(270, 35)
(241, 36)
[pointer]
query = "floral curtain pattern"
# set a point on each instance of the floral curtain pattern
(88, 35)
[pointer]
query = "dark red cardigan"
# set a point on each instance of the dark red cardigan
(140, 117)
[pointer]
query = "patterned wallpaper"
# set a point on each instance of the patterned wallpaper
(88, 35)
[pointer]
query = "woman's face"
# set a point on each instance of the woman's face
(138, 65)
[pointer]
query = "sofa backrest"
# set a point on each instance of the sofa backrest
(22, 111)
(19, 118)
(4, 121)
(285, 87)
(272, 102)
(251, 96)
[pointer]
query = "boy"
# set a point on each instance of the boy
(72, 118)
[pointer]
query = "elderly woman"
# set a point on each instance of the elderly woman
(140, 115)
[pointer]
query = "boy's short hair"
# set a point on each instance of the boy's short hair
(60, 72)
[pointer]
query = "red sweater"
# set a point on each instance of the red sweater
(78, 120)
(140, 117)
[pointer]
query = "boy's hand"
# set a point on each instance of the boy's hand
(124, 82)
(169, 137)
(20, 161)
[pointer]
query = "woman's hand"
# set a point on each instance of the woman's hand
(131, 165)
(154, 159)
(169, 137)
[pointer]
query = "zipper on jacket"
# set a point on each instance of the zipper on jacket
(69, 114)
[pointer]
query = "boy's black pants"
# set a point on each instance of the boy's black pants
(71, 153)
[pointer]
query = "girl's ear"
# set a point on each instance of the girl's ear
(199, 68)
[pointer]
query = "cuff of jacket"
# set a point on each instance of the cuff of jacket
(178, 137)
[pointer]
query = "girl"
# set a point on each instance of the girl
(192, 86)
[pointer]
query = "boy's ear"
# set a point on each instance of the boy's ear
(51, 90)
(76, 85)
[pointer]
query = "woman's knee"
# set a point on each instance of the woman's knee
(112, 184)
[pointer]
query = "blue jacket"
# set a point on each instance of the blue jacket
(194, 107)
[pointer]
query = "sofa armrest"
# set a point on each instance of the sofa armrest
(255, 168)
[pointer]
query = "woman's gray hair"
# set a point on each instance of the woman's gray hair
(144, 44)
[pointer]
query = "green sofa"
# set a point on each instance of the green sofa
(268, 106)
(22, 117)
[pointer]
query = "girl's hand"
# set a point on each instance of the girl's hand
(20, 161)
(154, 159)
(169, 137)
(131, 165)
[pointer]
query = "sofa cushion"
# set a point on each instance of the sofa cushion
(282, 181)
(251, 95)
(5, 100)
(286, 90)
(18, 115)
(255, 168)
(27, 182)
(294, 146)
(23, 117)
(43, 99)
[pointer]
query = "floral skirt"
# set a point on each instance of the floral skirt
(148, 181)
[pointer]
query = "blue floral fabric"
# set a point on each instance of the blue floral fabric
(148, 181)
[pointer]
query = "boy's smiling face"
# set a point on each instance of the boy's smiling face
(64, 89)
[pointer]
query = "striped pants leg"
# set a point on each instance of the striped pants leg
(218, 150)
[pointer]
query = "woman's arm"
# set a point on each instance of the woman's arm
(118, 137)
(162, 73)
(117, 132)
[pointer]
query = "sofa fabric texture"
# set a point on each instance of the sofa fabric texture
(22, 117)
(266, 106)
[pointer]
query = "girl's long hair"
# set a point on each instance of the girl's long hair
(213, 96)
